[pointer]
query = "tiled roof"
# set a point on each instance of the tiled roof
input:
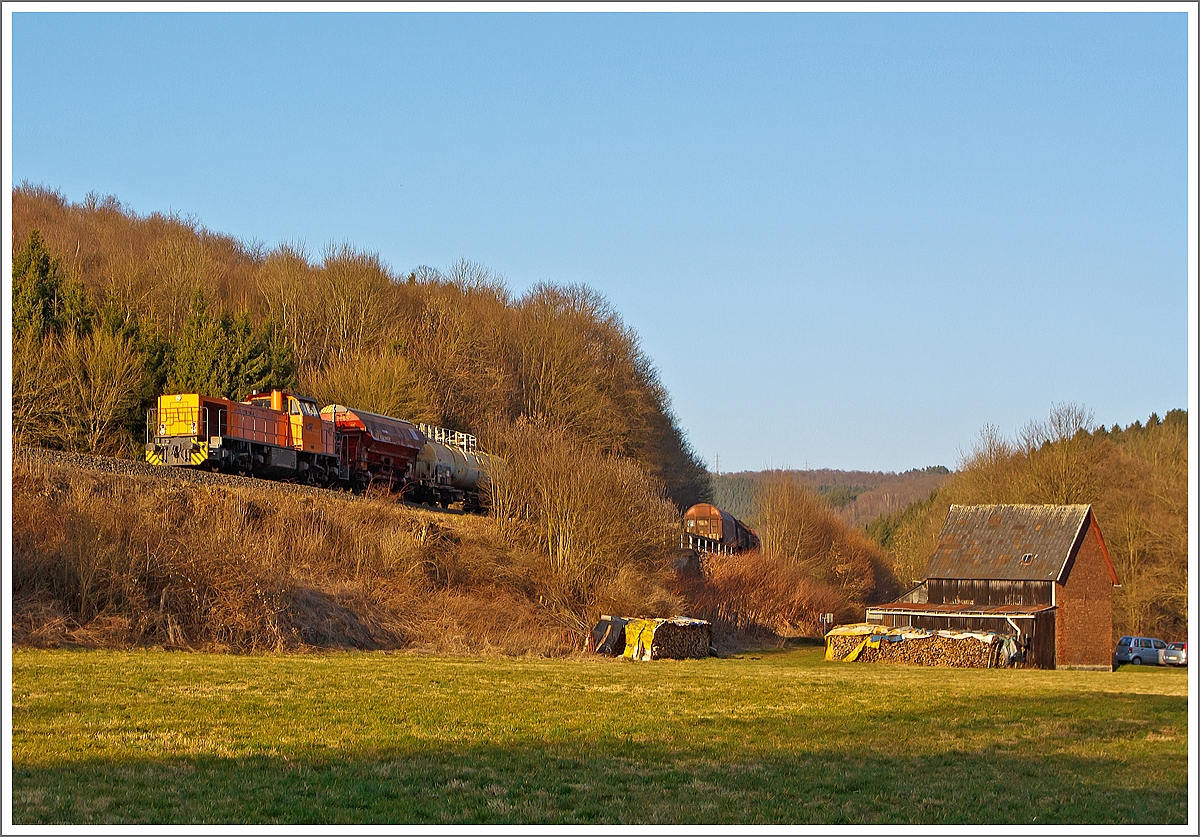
(1012, 542)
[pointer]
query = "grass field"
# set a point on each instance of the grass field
(783, 737)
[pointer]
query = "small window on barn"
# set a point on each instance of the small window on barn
(1027, 558)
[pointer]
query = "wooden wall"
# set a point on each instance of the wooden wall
(988, 592)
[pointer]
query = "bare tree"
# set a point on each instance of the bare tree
(102, 379)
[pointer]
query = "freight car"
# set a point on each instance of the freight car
(374, 449)
(707, 528)
(450, 469)
(279, 435)
(426, 464)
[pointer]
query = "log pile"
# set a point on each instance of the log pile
(840, 646)
(677, 638)
(934, 651)
(955, 649)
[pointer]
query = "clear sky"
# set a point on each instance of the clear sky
(846, 240)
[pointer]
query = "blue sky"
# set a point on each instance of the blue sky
(846, 241)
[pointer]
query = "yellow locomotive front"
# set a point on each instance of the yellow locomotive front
(277, 434)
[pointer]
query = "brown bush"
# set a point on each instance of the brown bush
(760, 592)
(800, 529)
(598, 533)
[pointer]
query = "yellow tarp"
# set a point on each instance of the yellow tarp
(639, 637)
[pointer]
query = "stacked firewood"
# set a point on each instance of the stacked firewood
(840, 646)
(935, 649)
(681, 639)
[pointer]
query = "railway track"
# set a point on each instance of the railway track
(35, 457)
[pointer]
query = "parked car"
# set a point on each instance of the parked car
(1176, 654)
(1139, 650)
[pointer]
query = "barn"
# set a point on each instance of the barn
(1039, 573)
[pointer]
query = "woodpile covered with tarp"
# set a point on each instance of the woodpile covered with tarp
(677, 638)
(956, 649)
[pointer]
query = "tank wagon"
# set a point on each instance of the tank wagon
(707, 528)
(450, 469)
(280, 435)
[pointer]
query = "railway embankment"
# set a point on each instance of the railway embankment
(116, 553)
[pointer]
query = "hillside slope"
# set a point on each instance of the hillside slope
(857, 497)
(112, 553)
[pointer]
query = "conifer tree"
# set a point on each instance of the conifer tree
(42, 301)
(227, 356)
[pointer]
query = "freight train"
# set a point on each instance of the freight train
(284, 436)
(707, 528)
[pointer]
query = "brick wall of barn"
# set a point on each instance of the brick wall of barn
(1084, 620)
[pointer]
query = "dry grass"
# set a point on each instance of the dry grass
(103, 559)
(107, 560)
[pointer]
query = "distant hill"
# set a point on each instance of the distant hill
(857, 497)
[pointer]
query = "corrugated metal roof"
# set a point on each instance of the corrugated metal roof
(958, 609)
(1011, 542)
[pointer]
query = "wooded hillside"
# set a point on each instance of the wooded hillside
(111, 307)
(857, 497)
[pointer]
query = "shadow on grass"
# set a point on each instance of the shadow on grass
(606, 782)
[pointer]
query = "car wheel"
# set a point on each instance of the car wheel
(1137, 661)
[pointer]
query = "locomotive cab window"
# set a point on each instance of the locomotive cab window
(293, 406)
(309, 409)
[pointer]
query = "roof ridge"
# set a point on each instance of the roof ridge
(1021, 505)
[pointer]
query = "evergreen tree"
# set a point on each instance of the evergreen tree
(227, 356)
(42, 301)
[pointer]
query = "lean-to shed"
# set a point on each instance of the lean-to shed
(1039, 573)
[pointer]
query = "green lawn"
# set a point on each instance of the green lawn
(774, 737)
